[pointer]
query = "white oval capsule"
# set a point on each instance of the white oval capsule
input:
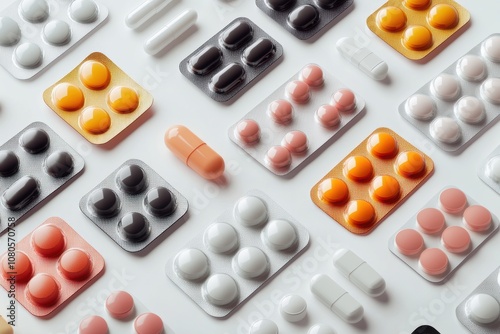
(368, 62)
(144, 12)
(359, 272)
(336, 298)
(171, 31)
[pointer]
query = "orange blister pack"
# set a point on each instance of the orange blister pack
(98, 99)
(415, 28)
(372, 181)
(49, 267)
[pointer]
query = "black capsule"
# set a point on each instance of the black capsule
(132, 179)
(258, 52)
(134, 226)
(21, 193)
(205, 61)
(160, 202)
(303, 18)
(329, 4)
(34, 141)
(9, 163)
(279, 5)
(236, 35)
(104, 202)
(59, 164)
(227, 78)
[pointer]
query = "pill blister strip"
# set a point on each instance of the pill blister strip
(33, 165)
(135, 203)
(33, 33)
(486, 164)
(469, 132)
(304, 120)
(418, 17)
(455, 260)
(489, 286)
(231, 56)
(68, 289)
(326, 16)
(222, 263)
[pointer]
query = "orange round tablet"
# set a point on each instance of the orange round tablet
(410, 164)
(67, 97)
(333, 191)
(358, 168)
(382, 145)
(385, 188)
(443, 16)
(359, 212)
(94, 120)
(391, 19)
(48, 240)
(94, 75)
(417, 38)
(43, 290)
(75, 264)
(417, 4)
(123, 99)
(20, 264)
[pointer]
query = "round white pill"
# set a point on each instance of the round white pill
(493, 169)
(470, 109)
(491, 48)
(250, 262)
(471, 68)
(420, 106)
(445, 87)
(490, 90)
(220, 290)
(279, 234)
(10, 33)
(34, 10)
(83, 11)
(263, 326)
(250, 211)
(28, 55)
(320, 329)
(482, 308)
(57, 32)
(293, 308)
(445, 129)
(221, 238)
(191, 264)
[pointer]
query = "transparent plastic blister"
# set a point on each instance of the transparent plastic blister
(237, 254)
(489, 170)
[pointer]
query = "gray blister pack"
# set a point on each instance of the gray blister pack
(489, 170)
(34, 33)
(242, 250)
(34, 164)
(231, 60)
(480, 311)
(310, 110)
(304, 18)
(134, 205)
(462, 102)
(443, 234)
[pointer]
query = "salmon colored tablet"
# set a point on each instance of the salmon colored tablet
(433, 261)
(120, 304)
(409, 242)
(430, 220)
(148, 323)
(452, 200)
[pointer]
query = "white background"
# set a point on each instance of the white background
(410, 300)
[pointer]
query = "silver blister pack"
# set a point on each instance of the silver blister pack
(34, 165)
(460, 103)
(34, 33)
(281, 120)
(489, 170)
(134, 205)
(236, 255)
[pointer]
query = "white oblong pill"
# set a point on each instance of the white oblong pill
(170, 32)
(293, 308)
(368, 62)
(144, 12)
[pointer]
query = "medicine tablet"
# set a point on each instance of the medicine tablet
(34, 10)
(48, 240)
(471, 68)
(295, 141)
(433, 261)
(490, 90)
(248, 131)
(43, 290)
(123, 100)
(430, 220)
(191, 264)
(328, 116)
(104, 202)
(134, 226)
(160, 202)
(9, 163)
(333, 191)
(59, 164)
(57, 32)
(303, 18)
(263, 326)
(281, 111)
(83, 11)
(120, 304)
(410, 164)
(145, 11)
(298, 91)
(279, 235)
(34, 140)
(491, 48)
(250, 211)
(293, 308)
(417, 38)
(312, 75)
(10, 33)
(382, 145)
(236, 35)
(221, 238)
(470, 109)
(321, 329)
(421, 107)
(93, 324)
(391, 19)
(21, 193)
(452, 200)
(278, 157)
(493, 169)
(250, 262)
(445, 130)
(358, 168)
(456, 239)
(148, 323)
(131, 179)
(409, 242)
(75, 264)
(22, 269)
(344, 100)
(28, 55)
(359, 213)
(445, 87)
(443, 16)
(477, 218)
(482, 308)
(220, 290)
(385, 188)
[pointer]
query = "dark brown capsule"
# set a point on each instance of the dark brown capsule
(258, 52)
(227, 78)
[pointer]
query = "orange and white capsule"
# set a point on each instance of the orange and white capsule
(195, 153)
